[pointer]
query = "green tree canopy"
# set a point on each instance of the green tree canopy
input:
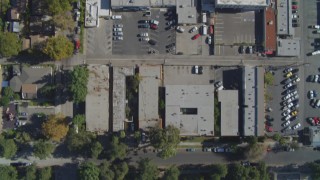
(10, 45)
(165, 139)
(79, 81)
(8, 91)
(89, 171)
(59, 6)
(5, 5)
(79, 142)
(315, 167)
(118, 150)
(45, 173)
(219, 171)
(58, 48)
(120, 170)
(8, 172)
(96, 149)
(43, 149)
(22, 137)
(106, 172)
(276, 137)
(172, 173)
(238, 172)
(79, 120)
(147, 170)
(8, 148)
(31, 172)
(253, 151)
(4, 101)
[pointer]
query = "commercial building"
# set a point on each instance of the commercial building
(92, 13)
(190, 108)
(312, 136)
(253, 101)
(149, 97)
(97, 100)
(229, 105)
(119, 96)
(288, 47)
(139, 5)
(284, 18)
(243, 4)
(187, 12)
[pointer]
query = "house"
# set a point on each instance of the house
(28, 80)
(14, 27)
(13, 14)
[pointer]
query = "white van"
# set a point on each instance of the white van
(116, 17)
(204, 17)
(204, 30)
(318, 103)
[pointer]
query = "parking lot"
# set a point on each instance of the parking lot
(131, 44)
(275, 98)
(233, 29)
(184, 75)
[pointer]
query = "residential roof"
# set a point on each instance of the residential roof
(149, 97)
(14, 14)
(187, 12)
(271, 38)
(97, 99)
(190, 108)
(284, 21)
(30, 75)
(15, 27)
(36, 39)
(29, 91)
(26, 43)
(288, 47)
(229, 112)
(119, 96)
(92, 16)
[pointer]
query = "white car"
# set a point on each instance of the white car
(118, 25)
(316, 78)
(117, 29)
(312, 94)
(290, 105)
(144, 34)
(144, 39)
(286, 97)
(295, 16)
(116, 17)
(296, 80)
(209, 40)
(153, 21)
(287, 123)
(117, 33)
(286, 112)
(180, 29)
(315, 26)
(287, 86)
(118, 38)
(287, 117)
(194, 29)
(287, 70)
(296, 126)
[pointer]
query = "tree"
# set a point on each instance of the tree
(120, 170)
(315, 167)
(79, 81)
(79, 120)
(8, 91)
(4, 101)
(122, 134)
(263, 171)
(117, 149)
(43, 149)
(10, 45)
(45, 173)
(137, 136)
(8, 148)
(5, 5)
(276, 137)
(172, 173)
(96, 149)
(89, 171)
(106, 172)
(8, 173)
(79, 142)
(55, 128)
(58, 48)
(31, 172)
(219, 171)
(254, 151)
(147, 170)
(64, 20)
(59, 6)
(22, 137)
(268, 78)
(165, 139)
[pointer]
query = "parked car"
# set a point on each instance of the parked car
(153, 21)
(143, 26)
(312, 94)
(296, 126)
(268, 128)
(118, 25)
(219, 150)
(287, 70)
(287, 123)
(289, 74)
(285, 113)
(287, 86)
(152, 42)
(143, 21)
(118, 38)
(294, 7)
(206, 149)
(77, 15)
(23, 114)
(195, 36)
(294, 113)
(245, 163)
(116, 17)
(296, 80)
(287, 117)
(209, 40)
(194, 29)
(180, 29)
(144, 34)
(190, 149)
(117, 29)
(147, 13)
(20, 164)
(117, 33)
(144, 39)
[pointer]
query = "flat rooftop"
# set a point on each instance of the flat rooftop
(288, 47)
(92, 13)
(190, 108)
(243, 2)
(249, 112)
(149, 97)
(119, 96)
(142, 3)
(271, 38)
(229, 112)
(186, 11)
(97, 100)
(284, 20)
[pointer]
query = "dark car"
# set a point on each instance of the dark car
(19, 164)
(144, 26)
(171, 45)
(152, 42)
(245, 163)
(317, 148)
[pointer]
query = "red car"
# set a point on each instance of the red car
(196, 36)
(268, 128)
(294, 7)
(154, 26)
